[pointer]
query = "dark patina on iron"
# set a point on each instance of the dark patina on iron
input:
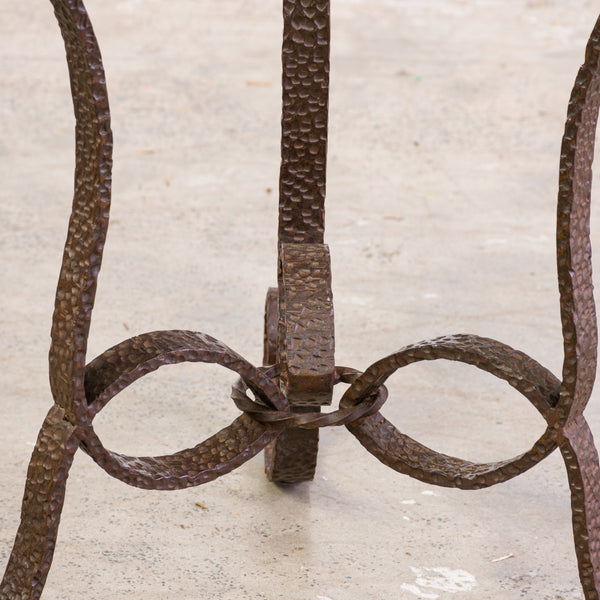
(283, 415)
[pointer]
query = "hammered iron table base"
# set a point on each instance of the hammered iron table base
(282, 414)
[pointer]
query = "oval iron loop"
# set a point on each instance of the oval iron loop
(408, 456)
(123, 364)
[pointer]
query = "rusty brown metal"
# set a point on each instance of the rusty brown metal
(305, 83)
(282, 415)
(305, 351)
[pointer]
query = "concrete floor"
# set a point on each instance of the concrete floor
(445, 129)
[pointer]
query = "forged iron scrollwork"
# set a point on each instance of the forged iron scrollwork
(282, 414)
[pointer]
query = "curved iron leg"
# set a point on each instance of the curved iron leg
(33, 550)
(581, 458)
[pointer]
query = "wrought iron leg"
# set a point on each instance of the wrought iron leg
(292, 458)
(283, 412)
(581, 459)
(33, 549)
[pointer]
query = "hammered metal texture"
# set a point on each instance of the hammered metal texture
(581, 459)
(47, 474)
(305, 82)
(120, 366)
(305, 349)
(574, 254)
(291, 458)
(126, 362)
(306, 337)
(302, 180)
(578, 313)
(404, 454)
(283, 415)
(58, 440)
(89, 216)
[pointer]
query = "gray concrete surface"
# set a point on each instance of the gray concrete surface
(446, 120)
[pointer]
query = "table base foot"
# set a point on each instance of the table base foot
(292, 457)
(33, 550)
(581, 459)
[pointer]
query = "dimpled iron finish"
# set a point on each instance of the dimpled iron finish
(306, 339)
(89, 216)
(305, 349)
(404, 454)
(47, 474)
(282, 415)
(305, 82)
(578, 313)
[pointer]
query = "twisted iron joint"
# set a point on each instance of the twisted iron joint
(365, 405)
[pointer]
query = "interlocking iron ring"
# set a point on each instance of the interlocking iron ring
(408, 456)
(120, 366)
(283, 417)
(368, 404)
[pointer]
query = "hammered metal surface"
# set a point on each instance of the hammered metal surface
(581, 459)
(574, 254)
(47, 474)
(283, 415)
(292, 457)
(305, 349)
(306, 337)
(578, 313)
(120, 366)
(126, 362)
(404, 454)
(44, 493)
(302, 181)
(305, 82)
(89, 216)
